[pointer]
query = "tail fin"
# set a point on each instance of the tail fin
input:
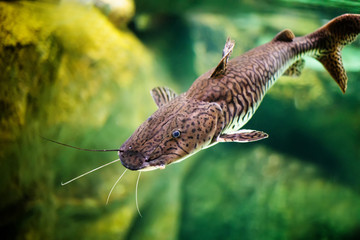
(331, 38)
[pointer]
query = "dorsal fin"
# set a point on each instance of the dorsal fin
(162, 95)
(284, 36)
(221, 67)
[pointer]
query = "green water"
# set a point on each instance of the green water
(78, 75)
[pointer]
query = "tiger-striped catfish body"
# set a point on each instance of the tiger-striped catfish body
(222, 100)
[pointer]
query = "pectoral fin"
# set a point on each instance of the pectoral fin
(221, 67)
(243, 136)
(162, 95)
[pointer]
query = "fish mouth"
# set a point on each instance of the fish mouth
(161, 162)
(145, 167)
(131, 159)
(149, 165)
(136, 161)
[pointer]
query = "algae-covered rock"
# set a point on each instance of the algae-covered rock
(66, 72)
(119, 12)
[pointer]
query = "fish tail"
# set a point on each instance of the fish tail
(330, 39)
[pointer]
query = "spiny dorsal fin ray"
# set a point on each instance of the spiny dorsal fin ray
(295, 69)
(333, 64)
(162, 95)
(284, 36)
(221, 67)
(243, 136)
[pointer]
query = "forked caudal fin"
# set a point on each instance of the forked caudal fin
(330, 39)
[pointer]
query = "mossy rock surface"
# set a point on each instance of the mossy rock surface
(67, 72)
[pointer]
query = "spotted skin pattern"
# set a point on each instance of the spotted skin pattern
(153, 145)
(222, 100)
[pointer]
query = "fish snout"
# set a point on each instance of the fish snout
(132, 159)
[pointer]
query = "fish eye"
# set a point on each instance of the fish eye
(176, 134)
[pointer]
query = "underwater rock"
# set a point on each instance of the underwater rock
(65, 69)
(120, 12)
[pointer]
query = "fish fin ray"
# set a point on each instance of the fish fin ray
(162, 95)
(295, 69)
(333, 64)
(243, 136)
(221, 67)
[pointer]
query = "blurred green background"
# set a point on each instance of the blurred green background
(81, 72)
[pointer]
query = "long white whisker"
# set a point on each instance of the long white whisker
(62, 184)
(136, 197)
(107, 200)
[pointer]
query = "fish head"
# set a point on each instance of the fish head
(174, 132)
